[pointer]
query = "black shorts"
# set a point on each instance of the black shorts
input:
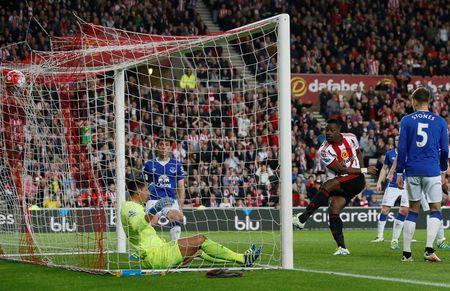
(351, 185)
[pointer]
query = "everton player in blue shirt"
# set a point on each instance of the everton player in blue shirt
(166, 179)
(422, 155)
(390, 196)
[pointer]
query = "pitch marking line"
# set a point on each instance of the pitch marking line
(378, 278)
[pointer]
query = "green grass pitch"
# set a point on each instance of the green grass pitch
(312, 251)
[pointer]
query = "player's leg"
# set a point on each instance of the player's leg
(399, 219)
(176, 220)
(440, 237)
(432, 190)
(382, 219)
(337, 204)
(319, 200)
(414, 191)
(387, 202)
(190, 246)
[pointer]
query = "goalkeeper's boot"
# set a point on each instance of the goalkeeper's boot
(296, 222)
(340, 251)
(443, 245)
(251, 255)
(431, 257)
(378, 239)
(394, 245)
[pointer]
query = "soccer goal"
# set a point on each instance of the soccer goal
(79, 121)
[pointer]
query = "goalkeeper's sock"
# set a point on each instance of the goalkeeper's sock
(409, 227)
(218, 251)
(208, 258)
(381, 224)
(398, 226)
(320, 199)
(336, 229)
(175, 231)
(433, 225)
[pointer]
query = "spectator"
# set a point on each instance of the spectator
(225, 203)
(188, 81)
(52, 202)
(264, 173)
(373, 202)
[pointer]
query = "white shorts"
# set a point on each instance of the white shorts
(165, 210)
(428, 187)
(391, 194)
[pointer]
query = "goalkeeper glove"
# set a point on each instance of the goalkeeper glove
(160, 204)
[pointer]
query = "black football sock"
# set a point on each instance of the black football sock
(336, 229)
(320, 199)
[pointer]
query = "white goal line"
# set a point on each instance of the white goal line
(376, 278)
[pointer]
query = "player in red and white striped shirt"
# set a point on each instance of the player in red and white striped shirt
(341, 155)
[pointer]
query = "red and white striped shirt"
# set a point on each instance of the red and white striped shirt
(373, 66)
(344, 153)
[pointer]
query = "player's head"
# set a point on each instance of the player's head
(138, 189)
(163, 147)
(333, 130)
(420, 97)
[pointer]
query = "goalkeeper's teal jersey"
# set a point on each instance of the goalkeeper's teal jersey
(139, 232)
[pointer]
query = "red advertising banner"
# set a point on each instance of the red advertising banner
(307, 87)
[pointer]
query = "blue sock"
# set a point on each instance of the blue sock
(383, 217)
(412, 216)
(436, 214)
(400, 217)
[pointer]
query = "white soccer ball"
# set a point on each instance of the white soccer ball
(15, 78)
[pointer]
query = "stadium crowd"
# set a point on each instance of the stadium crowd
(354, 37)
(228, 142)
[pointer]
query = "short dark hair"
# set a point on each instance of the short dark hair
(165, 139)
(421, 95)
(335, 121)
(134, 185)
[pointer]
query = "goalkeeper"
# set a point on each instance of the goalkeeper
(156, 253)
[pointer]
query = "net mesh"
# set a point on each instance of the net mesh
(216, 96)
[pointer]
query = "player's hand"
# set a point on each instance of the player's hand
(400, 182)
(371, 170)
(164, 202)
(390, 176)
(445, 188)
(379, 187)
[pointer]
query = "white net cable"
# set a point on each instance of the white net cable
(58, 188)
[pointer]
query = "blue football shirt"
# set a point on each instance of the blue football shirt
(162, 178)
(422, 145)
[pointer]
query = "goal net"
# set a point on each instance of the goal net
(85, 119)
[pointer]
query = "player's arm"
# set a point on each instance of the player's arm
(137, 219)
(339, 169)
(402, 148)
(148, 177)
(392, 172)
(181, 193)
(443, 143)
(360, 157)
(382, 177)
